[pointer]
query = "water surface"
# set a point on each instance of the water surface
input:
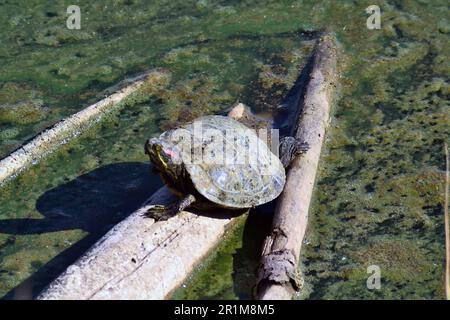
(379, 194)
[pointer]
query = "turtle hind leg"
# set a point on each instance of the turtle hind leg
(164, 212)
(291, 147)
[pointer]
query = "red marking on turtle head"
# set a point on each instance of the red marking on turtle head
(170, 152)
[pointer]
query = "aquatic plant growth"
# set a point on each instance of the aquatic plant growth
(379, 194)
(380, 188)
(62, 132)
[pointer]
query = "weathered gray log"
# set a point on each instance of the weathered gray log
(278, 272)
(50, 139)
(140, 259)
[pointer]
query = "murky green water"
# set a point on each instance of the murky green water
(379, 193)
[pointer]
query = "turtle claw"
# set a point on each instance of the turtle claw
(290, 148)
(301, 147)
(163, 213)
(160, 212)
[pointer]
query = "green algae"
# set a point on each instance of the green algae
(21, 107)
(380, 187)
(379, 190)
(61, 193)
(230, 270)
(216, 284)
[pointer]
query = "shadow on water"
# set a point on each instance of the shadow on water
(93, 202)
(246, 259)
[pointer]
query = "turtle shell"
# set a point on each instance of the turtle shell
(228, 163)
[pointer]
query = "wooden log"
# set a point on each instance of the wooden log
(141, 259)
(65, 130)
(278, 272)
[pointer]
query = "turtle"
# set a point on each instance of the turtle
(214, 162)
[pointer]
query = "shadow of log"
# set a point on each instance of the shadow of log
(93, 202)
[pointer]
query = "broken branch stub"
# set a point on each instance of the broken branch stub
(278, 275)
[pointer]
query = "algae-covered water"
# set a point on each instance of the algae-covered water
(379, 194)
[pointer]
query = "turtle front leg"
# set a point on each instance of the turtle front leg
(164, 212)
(291, 147)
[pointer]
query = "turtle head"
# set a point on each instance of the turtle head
(164, 156)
